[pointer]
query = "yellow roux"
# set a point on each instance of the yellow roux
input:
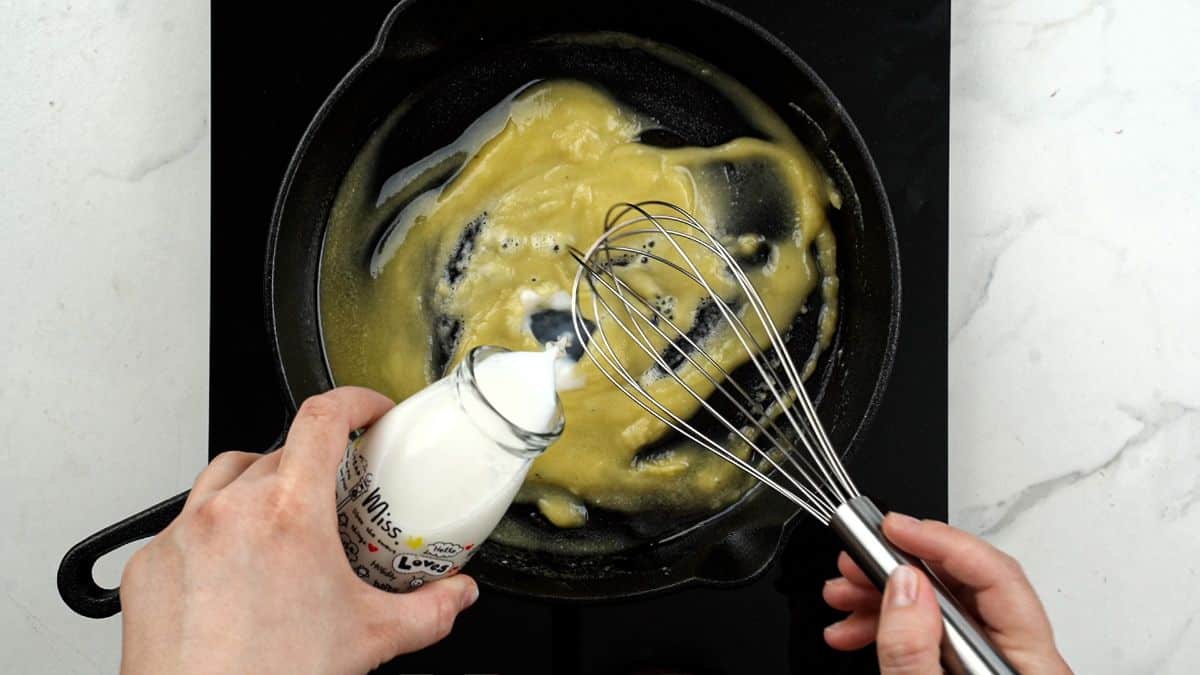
(542, 169)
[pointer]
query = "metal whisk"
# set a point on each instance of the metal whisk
(773, 432)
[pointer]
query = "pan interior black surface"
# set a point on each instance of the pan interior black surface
(468, 58)
(650, 78)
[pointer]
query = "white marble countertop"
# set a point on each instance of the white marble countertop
(1074, 313)
(1074, 363)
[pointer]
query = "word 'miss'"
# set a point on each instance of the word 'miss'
(378, 509)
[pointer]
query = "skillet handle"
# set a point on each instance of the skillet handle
(76, 584)
(965, 648)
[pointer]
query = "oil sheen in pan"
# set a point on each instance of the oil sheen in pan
(467, 245)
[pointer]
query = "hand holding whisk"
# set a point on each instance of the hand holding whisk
(767, 426)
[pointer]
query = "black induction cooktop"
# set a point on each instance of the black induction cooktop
(888, 64)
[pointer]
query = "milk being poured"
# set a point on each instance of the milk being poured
(426, 484)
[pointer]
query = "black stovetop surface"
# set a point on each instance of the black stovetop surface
(889, 65)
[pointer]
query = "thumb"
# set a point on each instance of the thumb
(910, 625)
(403, 623)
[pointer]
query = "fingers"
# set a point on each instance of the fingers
(965, 557)
(853, 633)
(220, 472)
(1000, 592)
(317, 440)
(910, 625)
(263, 467)
(988, 582)
(847, 596)
(407, 622)
(852, 592)
(851, 571)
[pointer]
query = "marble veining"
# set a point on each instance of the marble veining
(989, 519)
(1074, 305)
(104, 157)
(148, 164)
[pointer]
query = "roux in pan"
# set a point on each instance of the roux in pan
(469, 246)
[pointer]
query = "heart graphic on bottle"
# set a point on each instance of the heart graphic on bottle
(372, 548)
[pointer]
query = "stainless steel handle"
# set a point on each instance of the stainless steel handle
(965, 649)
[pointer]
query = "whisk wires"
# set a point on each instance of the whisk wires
(786, 447)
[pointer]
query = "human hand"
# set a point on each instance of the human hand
(251, 577)
(906, 623)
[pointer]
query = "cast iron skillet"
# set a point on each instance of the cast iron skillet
(472, 54)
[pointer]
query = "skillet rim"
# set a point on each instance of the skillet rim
(876, 189)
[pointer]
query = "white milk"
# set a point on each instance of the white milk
(426, 484)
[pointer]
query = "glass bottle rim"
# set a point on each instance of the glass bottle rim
(535, 442)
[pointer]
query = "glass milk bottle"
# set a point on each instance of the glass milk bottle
(419, 492)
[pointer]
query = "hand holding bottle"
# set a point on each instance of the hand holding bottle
(252, 576)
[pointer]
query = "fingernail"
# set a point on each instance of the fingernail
(902, 520)
(830, 581)
(902, 587)
(831, 628)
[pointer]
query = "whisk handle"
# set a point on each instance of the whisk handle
(965, 649)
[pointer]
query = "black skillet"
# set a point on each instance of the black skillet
(468, 55)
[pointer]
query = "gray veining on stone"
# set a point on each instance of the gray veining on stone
(989, 519)
(1074, 310)
(104, 267)
(158, 160)
(1074, 305)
